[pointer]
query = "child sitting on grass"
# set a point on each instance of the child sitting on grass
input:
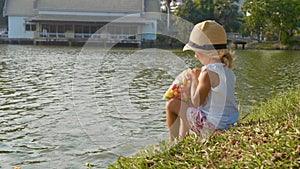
(210, 103)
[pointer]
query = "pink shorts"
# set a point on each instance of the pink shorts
(198, 122)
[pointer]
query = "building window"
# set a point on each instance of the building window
(33, 27)
(30, 27)
(27, 27)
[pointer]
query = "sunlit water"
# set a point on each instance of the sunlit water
(61, 107)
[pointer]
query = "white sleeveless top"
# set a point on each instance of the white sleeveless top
(219, 107)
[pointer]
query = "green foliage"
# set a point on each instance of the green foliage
(205, 8)
(223, 11)
(267, 138)
(189, 11)
(226, 11)
(279, 16)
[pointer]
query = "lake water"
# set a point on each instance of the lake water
(61, 107)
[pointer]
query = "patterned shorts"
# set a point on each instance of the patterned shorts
(198, 122)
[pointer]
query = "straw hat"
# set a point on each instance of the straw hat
(207, 35)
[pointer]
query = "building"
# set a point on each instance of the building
(75, 21)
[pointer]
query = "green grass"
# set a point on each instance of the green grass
(269, 137)
(265, 45)
(271, 45)
(268, 45)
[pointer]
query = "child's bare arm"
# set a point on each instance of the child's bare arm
(200, 91)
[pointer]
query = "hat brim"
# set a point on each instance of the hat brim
(188, 47)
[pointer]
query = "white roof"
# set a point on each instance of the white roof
(82, 10)
(19, 7)
(26, 7)
(130, 6)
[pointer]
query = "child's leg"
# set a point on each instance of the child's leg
(184, 129)
(173, 121)
(174, 109)
(173, 128)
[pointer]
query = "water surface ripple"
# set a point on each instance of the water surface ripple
(61, 107)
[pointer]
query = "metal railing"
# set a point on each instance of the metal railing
(90, 35)
(109, 37)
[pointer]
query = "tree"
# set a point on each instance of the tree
(223, 11)
(284, 16)
(190, 12)
(256, 12)
(280, 16)
(205, 8)
(226, 12)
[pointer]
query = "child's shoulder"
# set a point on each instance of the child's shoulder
(216, 67)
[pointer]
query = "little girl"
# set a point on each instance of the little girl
(212, 90)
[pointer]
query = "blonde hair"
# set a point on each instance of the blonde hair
(227, 57)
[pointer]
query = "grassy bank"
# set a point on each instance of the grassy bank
(267, 45)
(269, 136)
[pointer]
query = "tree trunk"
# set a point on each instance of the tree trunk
(258, 37)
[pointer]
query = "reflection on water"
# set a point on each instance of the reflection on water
(262, 74)
(63, 107)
